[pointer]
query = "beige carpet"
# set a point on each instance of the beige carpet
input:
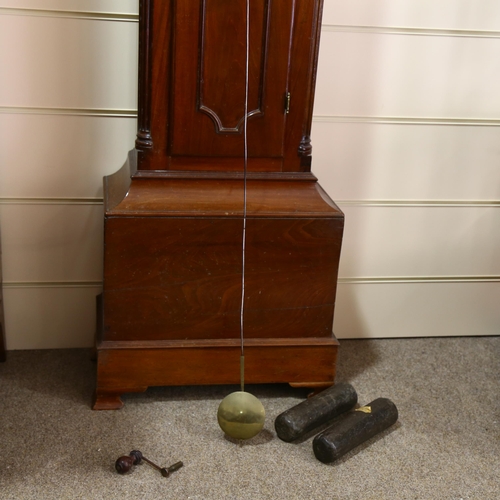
(445, 445)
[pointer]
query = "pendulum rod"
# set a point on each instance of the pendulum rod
(241, 415)
(245, 167)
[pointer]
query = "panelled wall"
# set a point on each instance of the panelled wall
(68, 104)
(406, 139)
(407, 136)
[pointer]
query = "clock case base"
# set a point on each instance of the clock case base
(132, 367)
(169, 313)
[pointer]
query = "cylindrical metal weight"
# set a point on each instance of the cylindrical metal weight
(315, 411)
(354, 428)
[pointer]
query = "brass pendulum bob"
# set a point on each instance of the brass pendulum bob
(241, 415)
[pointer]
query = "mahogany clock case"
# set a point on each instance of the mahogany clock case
(169, 313)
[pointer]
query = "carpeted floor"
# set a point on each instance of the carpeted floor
(446, 444)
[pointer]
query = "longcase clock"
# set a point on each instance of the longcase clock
(170, 309)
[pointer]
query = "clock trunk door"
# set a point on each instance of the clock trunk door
(209, 83)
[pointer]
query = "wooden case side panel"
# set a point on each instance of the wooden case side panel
(291, 276)
(171, 278)
(175, 278)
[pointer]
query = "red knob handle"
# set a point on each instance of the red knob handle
(125, 463)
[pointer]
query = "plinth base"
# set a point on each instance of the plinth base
(134, 366)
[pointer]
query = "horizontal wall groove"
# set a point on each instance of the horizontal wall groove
(132, 113)
(341, 281)
(32, 110)
(132, 17)
(419, 203)
(409, 120)
(401, 30)
(71, 14)
(49, 201)
(417, 279)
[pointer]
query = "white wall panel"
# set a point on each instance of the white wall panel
(121, 6)
(447, 14)
(420, 241)
(50, 318)
(356, 161)
(417, 310)
(395, 75)
(68, 63)
(57, 62)
(51, 242)
(66, 156)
